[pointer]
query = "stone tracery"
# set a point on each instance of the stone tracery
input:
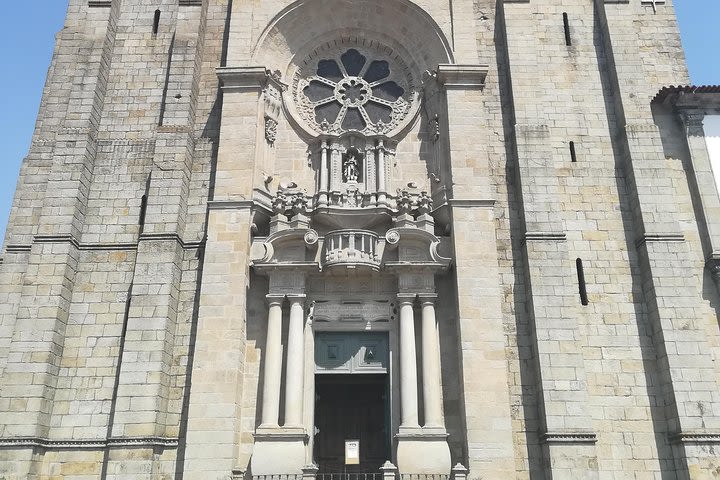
(359, 89)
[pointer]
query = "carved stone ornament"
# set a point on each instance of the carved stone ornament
(360, 87)
(311, 237)
(270, 130)
(290, 200)
(693, 121)
(392, 237)
(435, 127)
(413, 202)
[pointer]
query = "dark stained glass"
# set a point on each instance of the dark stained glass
(337, 87)
(378, 112)
(329, 69)
(317, 91)
(353, 120)
(327, 112)
(353, 62)
(377, 70)
(389, 91)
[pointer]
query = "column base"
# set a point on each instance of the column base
(423, 450)
(278, 451)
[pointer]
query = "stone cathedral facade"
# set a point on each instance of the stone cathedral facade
(473, 238)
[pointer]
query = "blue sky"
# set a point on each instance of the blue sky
(27, 36)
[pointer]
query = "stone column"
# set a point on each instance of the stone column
(295, 364)
(408, 363)
(273, 363)
(324, 174)
(282, 450)
(420, 450)
(432, 393)
(381, 187)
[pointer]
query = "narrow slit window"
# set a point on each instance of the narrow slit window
(573, 155)
(143, 210)
(581, 282)
(566, 24)
(156, 22)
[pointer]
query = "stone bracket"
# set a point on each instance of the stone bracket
(470, 77)
(246, 78)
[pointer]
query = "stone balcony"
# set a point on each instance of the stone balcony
(352, 248)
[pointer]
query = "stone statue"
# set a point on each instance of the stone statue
(351, 168)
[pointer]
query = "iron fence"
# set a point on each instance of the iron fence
(349, 476)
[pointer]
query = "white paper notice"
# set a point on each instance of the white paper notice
(352, 452)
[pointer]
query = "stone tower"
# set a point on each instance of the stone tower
(278, 240)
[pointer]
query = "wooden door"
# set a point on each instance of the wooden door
(351, 407)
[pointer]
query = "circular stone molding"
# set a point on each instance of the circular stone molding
(311, 237)
(392, 237)
(353, 86)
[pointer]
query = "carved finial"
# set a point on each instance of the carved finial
(289, 199)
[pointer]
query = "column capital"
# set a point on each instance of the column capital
(427, 297)
(274, 298)
(406, 297)
(296, 297)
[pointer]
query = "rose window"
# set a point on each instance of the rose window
(353, 91)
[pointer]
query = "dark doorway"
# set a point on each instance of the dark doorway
(351, 407)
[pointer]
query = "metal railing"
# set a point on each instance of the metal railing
(349, 476)
(351, 247)
(279, 476)
(356, 476)
(424, 476)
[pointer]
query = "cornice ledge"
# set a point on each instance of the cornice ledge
(696, 438)
(230, 204)
(264, 267)
(581, 437)
(545, 237)
(243, 78)
(280, 434)
(17, 248)
(170, 237)
(471, 203)
(142, 442)
(659, 238)
(65, 444)
(468, 76)
(426, 436)
(57, 239)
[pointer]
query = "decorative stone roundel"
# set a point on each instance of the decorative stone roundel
(343, 87)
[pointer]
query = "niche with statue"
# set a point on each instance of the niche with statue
(353, 171)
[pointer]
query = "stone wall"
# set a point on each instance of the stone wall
(131, 323)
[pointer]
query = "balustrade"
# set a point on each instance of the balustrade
(352, 247)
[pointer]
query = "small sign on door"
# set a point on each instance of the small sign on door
(352, 452)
